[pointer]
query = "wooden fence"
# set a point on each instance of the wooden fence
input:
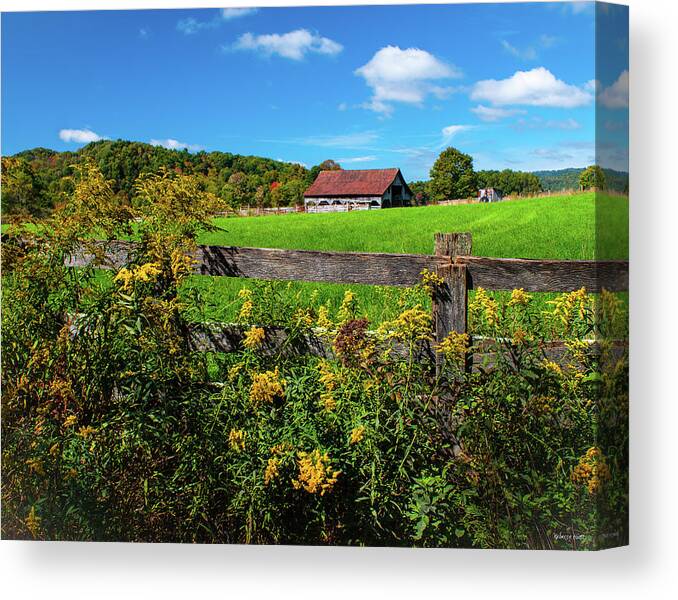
(452, 261)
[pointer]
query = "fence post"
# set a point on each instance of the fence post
(450, 298)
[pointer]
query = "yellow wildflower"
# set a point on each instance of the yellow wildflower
(266, 386)
(126, 276)
(554, 367)
(54, 450)
(85, 432)
(315, 473)
(271, 471)
(454, 346)
(570, 305)
(357, 435)
(236, 439)
(35, 466)
(520, 336)
(412, 324)
(142, 274)
(302, 318)
(484, 306)
(592, 470)
(246, 310)
(324, 318)
(254, 337)
(234, 371)
(327, 376)
(281, 448)
(430, 280)
(519, 297)
(328, 401)
(348, 307)
(70, 421)
(33, 523)
(182, 264)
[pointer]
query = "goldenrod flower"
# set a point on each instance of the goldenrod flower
(181, 265)
(85, 432)
(33, 523)
(554, 367)
(570, 305)
(315, 473)
(324, 318)
(234, 371)
(348, 307)
(142, 274)
(70, 421)
(35, 466)
(357, 435)
(271, 471)
(519, 297)
(484, 306)
(328, 401)
(246, 310)
(412, 324)
(254, 337)
(236, 439)
(430, 280)
(592, 470)
(266, 386)
(454, 346)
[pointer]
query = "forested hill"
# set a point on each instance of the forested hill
(568, 179)
(34, 179)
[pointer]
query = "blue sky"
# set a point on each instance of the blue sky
(514, 85)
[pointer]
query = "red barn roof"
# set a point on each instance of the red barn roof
(358, 182)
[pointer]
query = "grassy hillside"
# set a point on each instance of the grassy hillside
(554, 227)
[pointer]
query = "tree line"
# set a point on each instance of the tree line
(453, 177)
(37, 180)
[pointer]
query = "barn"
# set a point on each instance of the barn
(358, 189)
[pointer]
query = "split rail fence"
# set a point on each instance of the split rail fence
(452, 261)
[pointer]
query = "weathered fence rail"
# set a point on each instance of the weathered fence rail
(453, 262)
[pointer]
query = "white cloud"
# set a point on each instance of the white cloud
(293, 45)
(493, 113)
(617, 95)
(548, 41)
(144, 33)
(539, 123)
(538, 87)
(80, 136)
(172, 144)
(191, 26)
(407, 76)
(228, 14)
(528, 53)
(356, 159)
(347, 140)
(342, 106)
(451, 130)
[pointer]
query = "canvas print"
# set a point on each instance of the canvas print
(339, 275)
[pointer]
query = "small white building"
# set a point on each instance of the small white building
(490, 195)
(358, 189)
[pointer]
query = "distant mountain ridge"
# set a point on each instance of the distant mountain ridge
(568, 179)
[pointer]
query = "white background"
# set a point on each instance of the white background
(647, 569)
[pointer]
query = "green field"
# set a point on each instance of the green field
(558, 227)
